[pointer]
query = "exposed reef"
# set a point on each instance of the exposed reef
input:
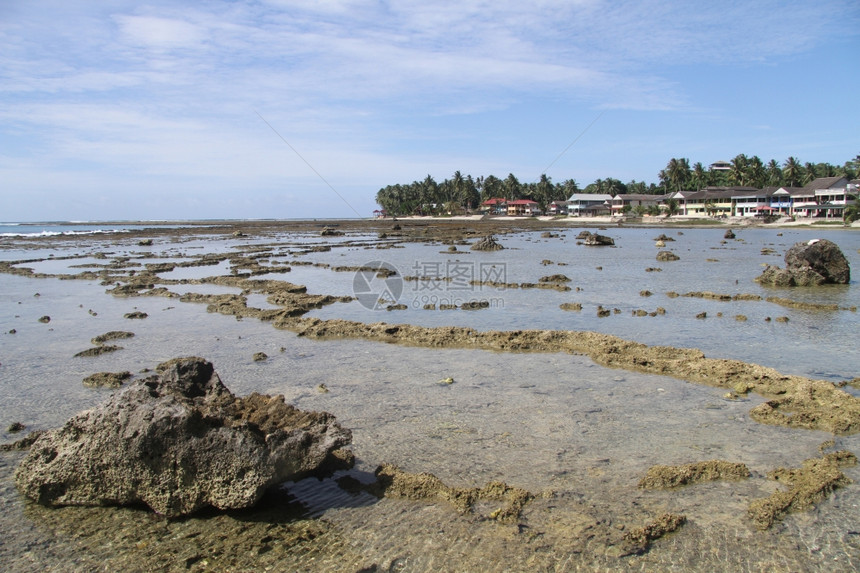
(668, 477)
(796, 401)
(807, 485)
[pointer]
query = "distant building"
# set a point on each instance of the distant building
(825, 197)
(495, 206)
(720, 166)
(557, 208)
(581, 204)
(523, 207)
(621, 201)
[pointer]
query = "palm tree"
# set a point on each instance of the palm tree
(596, 187)
(671, 207)
(428, 190)
(756, 175)
(569, 187)
(492, 187)
(738, 172)
(613, 187)
(699, 176)
(852, 168)
(792, 172)
(677, 172)
(809, 173)
(512, 187)
(544, 191)
(774, 173)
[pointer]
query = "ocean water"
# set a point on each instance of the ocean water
(577, 434)
(52, 229)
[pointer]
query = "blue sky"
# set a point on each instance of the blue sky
(162, 110)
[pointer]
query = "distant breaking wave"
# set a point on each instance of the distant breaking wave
(49, 233)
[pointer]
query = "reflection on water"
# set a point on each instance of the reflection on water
(544, 422)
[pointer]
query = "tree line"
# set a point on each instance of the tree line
(746, 171)
(459, 193)
(465, 193)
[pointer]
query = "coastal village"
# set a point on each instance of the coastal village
(823, 198)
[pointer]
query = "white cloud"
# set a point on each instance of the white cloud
(166, 89)
(160, 33)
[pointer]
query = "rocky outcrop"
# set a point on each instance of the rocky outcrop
(179, 441)
(488, 243)
(809, 263)
(596, 240)
(667, 256)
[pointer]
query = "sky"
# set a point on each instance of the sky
(261, 109)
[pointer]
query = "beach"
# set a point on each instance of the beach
(555, 368)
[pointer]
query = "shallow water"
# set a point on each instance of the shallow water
(545, 422)
(810, 343)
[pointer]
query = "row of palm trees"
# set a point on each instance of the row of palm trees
(463, 193)
(459, 193)
(751, 172)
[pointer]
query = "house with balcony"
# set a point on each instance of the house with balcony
(751, 202)
(716, 201)
(589, 204)
(831, 196)
(523, 207)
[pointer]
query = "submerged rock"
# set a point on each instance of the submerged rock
(135, 315)
(667, 477)
(639, 540)
(107, 379)
(179, 441)
(15, 427)
(807, 485)
(809, 263)
(558, 278)
(666, 256)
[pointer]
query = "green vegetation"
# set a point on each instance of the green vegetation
(751, 172)
(461, 194)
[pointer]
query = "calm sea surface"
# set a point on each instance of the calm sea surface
(544, 422)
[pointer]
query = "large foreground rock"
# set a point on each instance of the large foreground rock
(178, 441)
(809, 263)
